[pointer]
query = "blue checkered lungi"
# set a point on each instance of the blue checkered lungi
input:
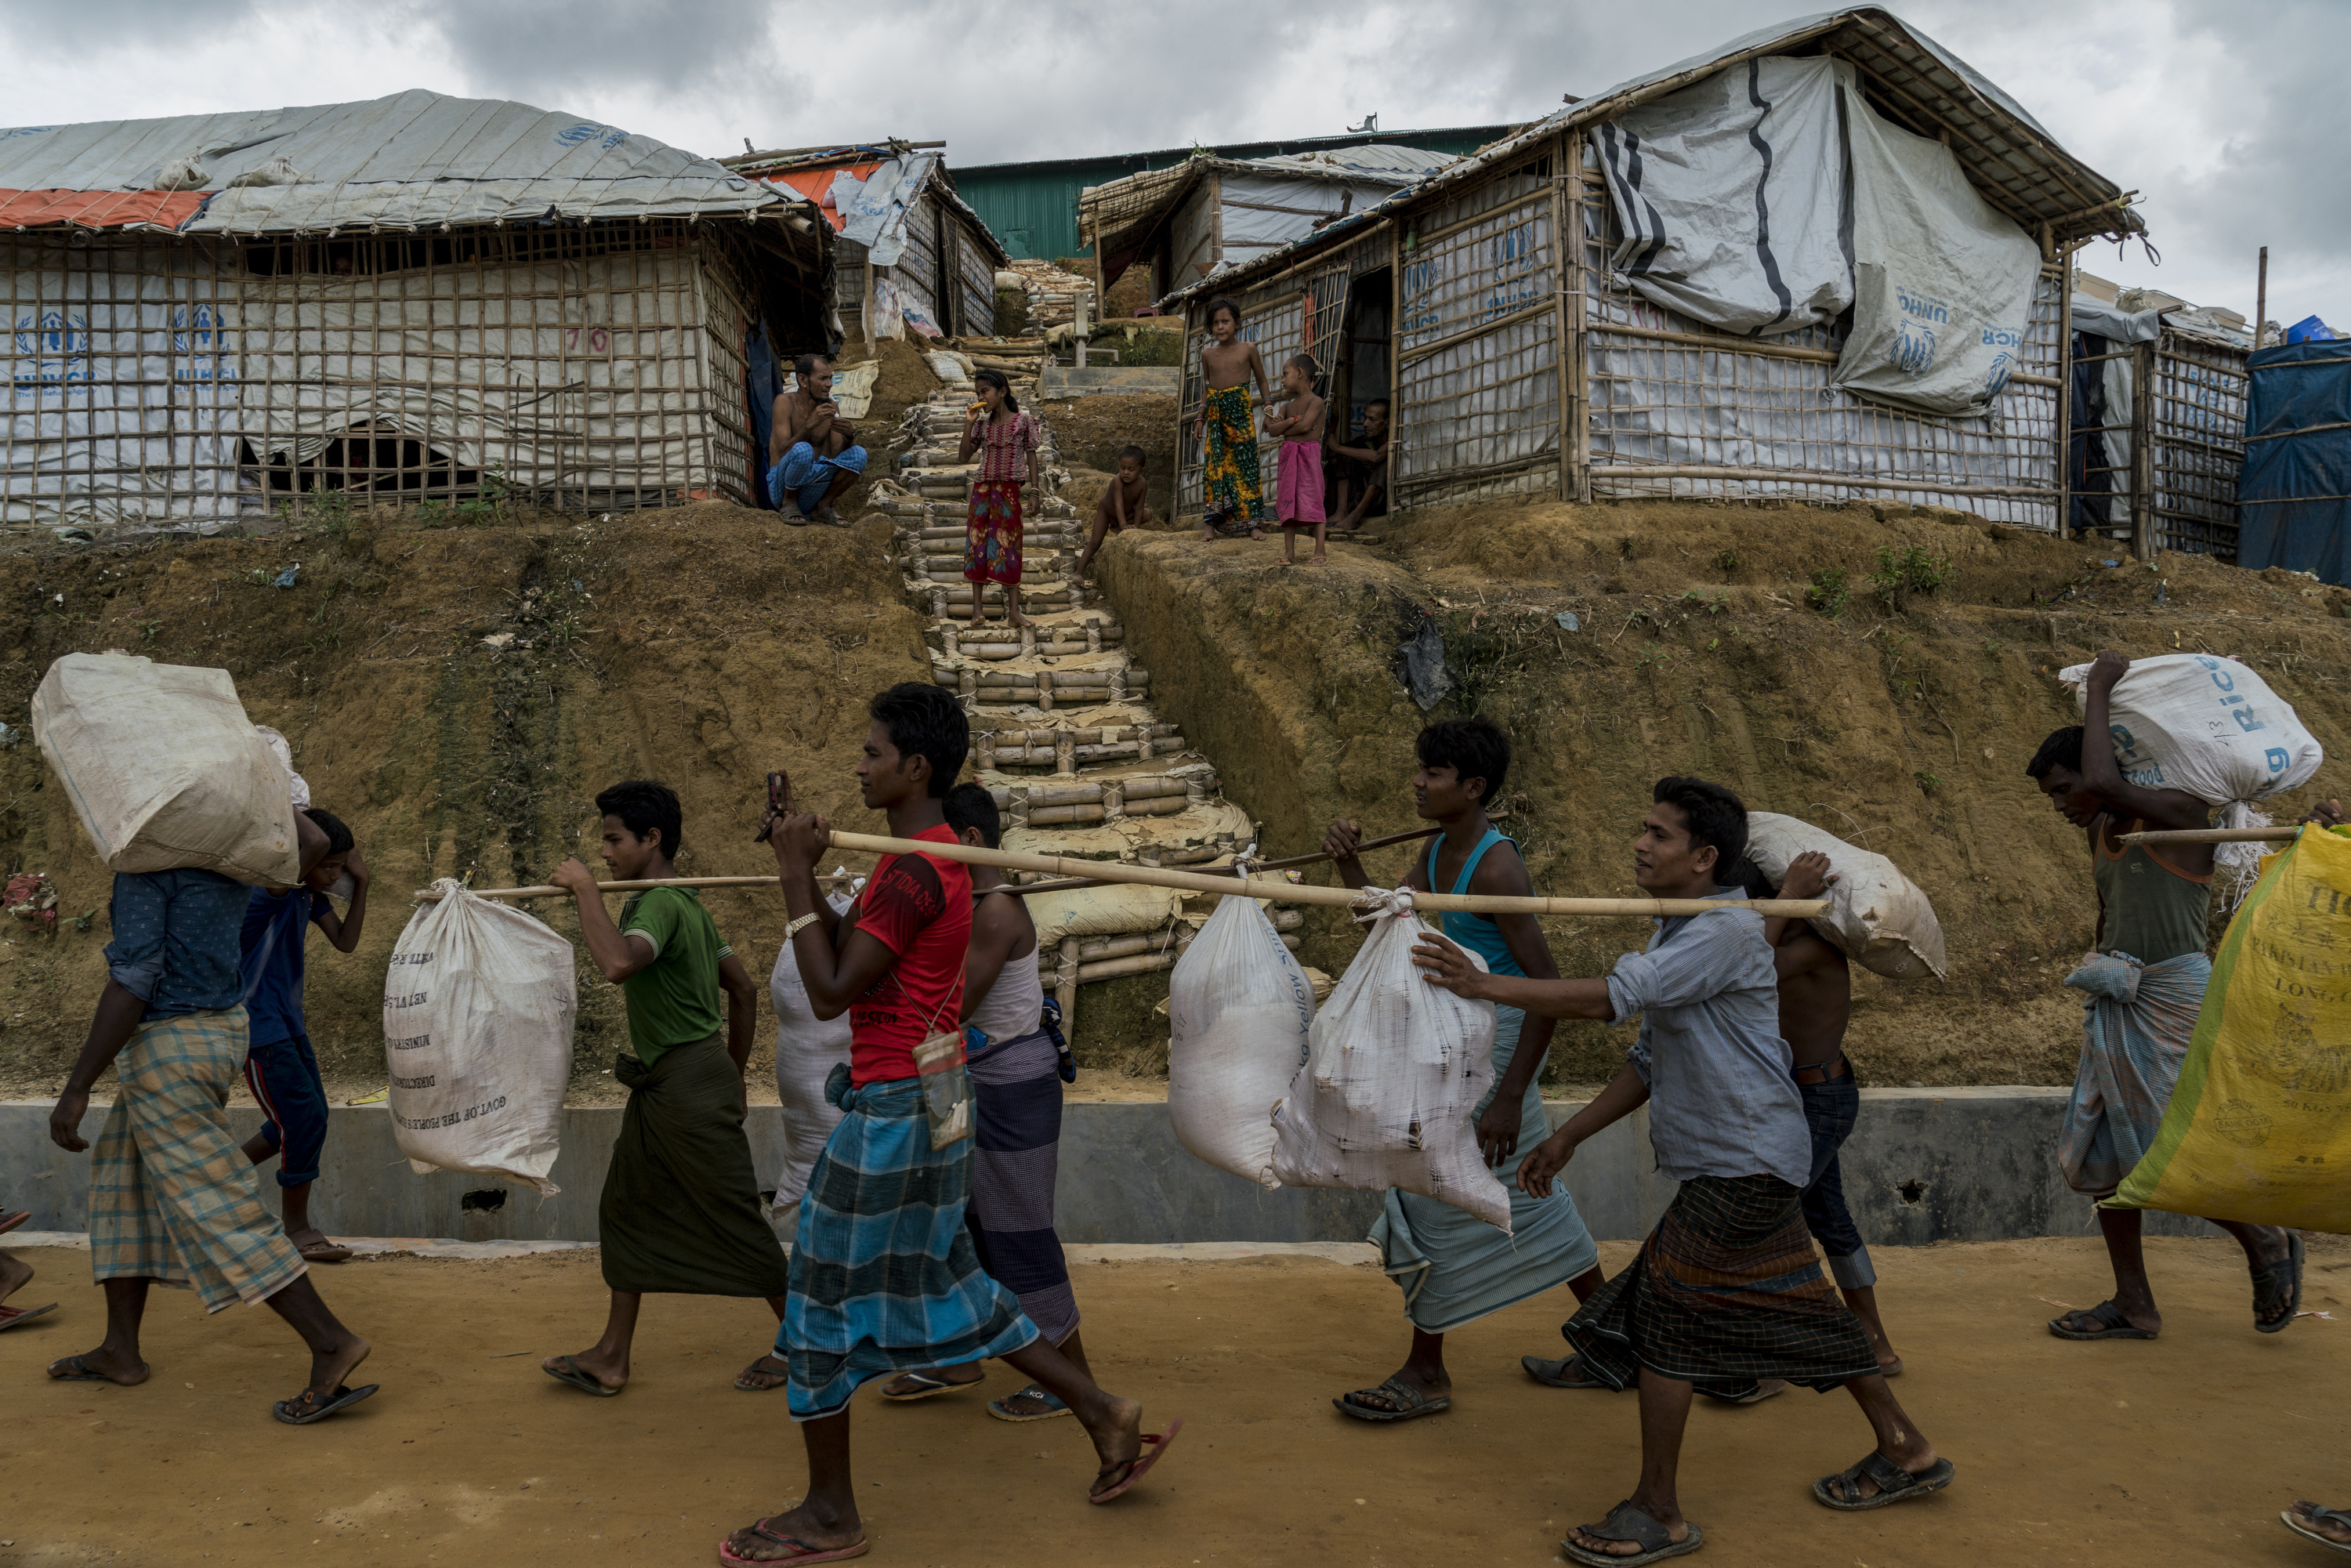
(805, 476)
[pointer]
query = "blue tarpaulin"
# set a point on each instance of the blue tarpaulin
(2294, 497)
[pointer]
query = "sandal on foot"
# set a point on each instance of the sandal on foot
(1406, 1401)
(2322, 1516)
(1625, 1522)
(568, 1371)
(802, 1551)
(2112, 1324)
(780, 1372)
(16, 1317)
(1895, 1484)
(1553, 1373)
(1001, 1408)
(2276, 1283)
(325, 1252)
(926, 1387)
(306, 1407)
(1155, 1448)
(78, 1369)
(12, 1219)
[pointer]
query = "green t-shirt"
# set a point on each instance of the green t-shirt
(675, 1000)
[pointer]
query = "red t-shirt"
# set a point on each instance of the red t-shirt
(920, 908)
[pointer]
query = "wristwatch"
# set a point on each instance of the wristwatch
(793, 929)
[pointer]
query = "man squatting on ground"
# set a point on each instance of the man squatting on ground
(1455, 1268)
(2144, 985)
(885, 1279)
(812, 451)
(1727, 1292)
(279, 1066)
(172, 1199)
(1017, 1073)
(680, 1213)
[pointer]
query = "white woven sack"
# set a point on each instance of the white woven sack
(1394, 1069)
(1238, 1009)
(1876, 915)
(164, 770)
(477, 1013)
(807, 1047)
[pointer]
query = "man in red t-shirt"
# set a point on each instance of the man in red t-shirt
(885, 1279)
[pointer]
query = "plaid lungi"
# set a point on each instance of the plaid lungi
(1726, 1290)
(883, 1276)
(172, 1197)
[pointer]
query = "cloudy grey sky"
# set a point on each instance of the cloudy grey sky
(2230, 117)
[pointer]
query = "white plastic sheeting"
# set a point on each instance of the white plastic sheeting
(414, 160)
(875, 211)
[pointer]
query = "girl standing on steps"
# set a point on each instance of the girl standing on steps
(1232, 501)
(1006, 440)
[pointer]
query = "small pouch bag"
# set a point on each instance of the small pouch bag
(946, 1087)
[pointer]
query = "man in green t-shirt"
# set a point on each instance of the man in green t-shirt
(680, 1211)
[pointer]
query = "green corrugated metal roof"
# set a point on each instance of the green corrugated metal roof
(1033, 207)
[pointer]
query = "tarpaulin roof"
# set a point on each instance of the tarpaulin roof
(1115, 215)
(809, 171)
(816, 184)
(2293, 494)
(2008, 155)
(96, 209)
(411, 161)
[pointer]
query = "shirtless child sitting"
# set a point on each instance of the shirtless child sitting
(1364, 471)
(1298, 489)
(1232, 502)
(1124, 504)
(812, 451)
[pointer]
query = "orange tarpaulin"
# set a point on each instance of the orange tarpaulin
(816, 184)
(96, 209)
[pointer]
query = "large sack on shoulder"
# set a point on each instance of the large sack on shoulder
(1238, 1009)
(1394, 1068)
(2259, 1128)
(2207, 726)
(807, 1047)
(164, 770)
(477, 1038)
(1876, 915)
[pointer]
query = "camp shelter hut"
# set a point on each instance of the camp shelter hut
(1711, 332)
(1186, 222)
(416, 298)
(2297, 483)
(910, 254)
(2158, 427)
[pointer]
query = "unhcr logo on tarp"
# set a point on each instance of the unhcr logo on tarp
(53, 354)
(579, 135)
(202, 336)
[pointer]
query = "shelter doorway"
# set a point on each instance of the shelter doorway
(1362, 373)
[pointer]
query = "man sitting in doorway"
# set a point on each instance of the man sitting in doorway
(812, 451)
(1362, 472)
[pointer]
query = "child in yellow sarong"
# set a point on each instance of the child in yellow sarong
(1231, 502)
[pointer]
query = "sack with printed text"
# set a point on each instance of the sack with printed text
(478, 1012)
(1238, 1009)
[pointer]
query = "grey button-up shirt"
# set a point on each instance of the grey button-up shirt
(1721, 1100)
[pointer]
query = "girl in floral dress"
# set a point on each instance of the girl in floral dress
(1006, 440)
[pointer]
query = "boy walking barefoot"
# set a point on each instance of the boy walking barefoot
(1298, 487)
(1231, 502)
(1124, 504)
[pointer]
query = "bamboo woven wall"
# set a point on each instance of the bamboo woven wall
(160, 381)
(2195, 415)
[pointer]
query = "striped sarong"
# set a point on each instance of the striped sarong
(1016, 1091)
(2136, 1022)
(884, 1278)
(172, 1197)
(1726, 1291)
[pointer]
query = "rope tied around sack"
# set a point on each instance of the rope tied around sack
(1371, 902)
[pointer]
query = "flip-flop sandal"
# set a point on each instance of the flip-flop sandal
(1553, 1373)
(2323, 1516)
(9, 1221)
(1409, 1403)
(928, 1387)
(2271, 1280)
(1155, 1448)
(1763, 1389)
(1625, 1522)
(2116, 1326)
(1895, 1484)
(325, 1252)
(83, 1371)
(779, 1371)
(1053, 1406)
(802, 1551)
(584, 1380)
(16, 1317)
(306, 1407)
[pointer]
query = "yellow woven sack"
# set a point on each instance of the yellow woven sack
(2257, 1130)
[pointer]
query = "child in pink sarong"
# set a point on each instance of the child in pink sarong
(1299, 498)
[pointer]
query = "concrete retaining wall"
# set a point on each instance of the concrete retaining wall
(1923, 1166)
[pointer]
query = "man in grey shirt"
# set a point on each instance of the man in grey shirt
(1727, 1292)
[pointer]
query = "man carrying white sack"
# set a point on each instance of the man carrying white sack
(1455, 1268)
(1727, 1292)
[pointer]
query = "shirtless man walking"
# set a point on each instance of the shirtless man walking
(812, 451)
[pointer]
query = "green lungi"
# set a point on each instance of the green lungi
(681, 1213)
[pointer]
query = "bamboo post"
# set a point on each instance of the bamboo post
(2142, 475)
(2261, 301)
(2065, 391)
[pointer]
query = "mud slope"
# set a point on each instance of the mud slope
(1906, 726)
(702, 646)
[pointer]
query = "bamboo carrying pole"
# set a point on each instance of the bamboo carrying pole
(2215, 836)
(1070, 884)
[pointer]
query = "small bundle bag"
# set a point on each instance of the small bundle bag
(1394, 1069)
(1239, 1007)
(1876, 915)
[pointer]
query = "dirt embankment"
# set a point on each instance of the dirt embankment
(1696, 650)
(702, 646)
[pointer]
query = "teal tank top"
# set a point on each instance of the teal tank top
(1474, 932)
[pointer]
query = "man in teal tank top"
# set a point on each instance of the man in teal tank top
(1455, 1268)
(2144, 985)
